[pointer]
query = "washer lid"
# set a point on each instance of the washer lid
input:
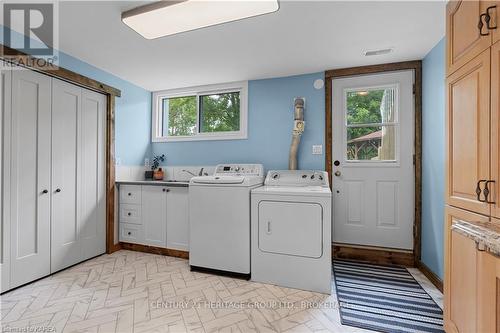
(218, 180)
(311, 191)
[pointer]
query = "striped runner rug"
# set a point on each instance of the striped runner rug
(384, 298)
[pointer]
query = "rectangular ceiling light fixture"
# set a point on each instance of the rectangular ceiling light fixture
(164, 18)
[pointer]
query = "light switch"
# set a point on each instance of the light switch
(317, 149)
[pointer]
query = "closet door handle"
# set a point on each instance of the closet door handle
(58, 190)
(479, 190)
(487, 191)
(480, 25)
(487, 18)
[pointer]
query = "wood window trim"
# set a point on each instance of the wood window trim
(416, 66)
(12, 55)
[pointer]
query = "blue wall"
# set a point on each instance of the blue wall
(433, 158)
(133, 108)
(270, 122)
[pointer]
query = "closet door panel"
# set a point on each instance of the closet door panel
(65, 245)
(93, 203)
(5, 102)
(30, 176)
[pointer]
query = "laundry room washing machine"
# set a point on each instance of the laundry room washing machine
(291, 230)
(219, 218)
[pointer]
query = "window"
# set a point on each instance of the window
(216, 112)
(371, 124)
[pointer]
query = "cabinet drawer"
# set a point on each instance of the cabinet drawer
(130, 194)
(131, 233)
(130, 214)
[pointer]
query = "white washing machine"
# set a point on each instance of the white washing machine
(219, 217)
(291, 230)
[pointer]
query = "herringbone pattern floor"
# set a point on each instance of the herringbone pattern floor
(138, 292)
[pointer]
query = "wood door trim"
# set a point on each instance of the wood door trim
(15, 57)
(376, 255)
(416, 66)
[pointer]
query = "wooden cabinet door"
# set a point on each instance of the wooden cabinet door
(29, 193)
(460, 280)
(488, 301)
(154, 215)
(464, 41)
(495, 129)
(493, 10)
(177, 218)
(468, 133)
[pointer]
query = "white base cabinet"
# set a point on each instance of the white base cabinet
(154, 215)
(53, 176)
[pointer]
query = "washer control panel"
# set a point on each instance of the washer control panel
(239, 170)
(297, 178)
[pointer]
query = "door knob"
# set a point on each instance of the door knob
(337, 173)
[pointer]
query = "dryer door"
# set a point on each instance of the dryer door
(291, 228)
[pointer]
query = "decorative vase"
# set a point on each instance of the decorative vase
(158, 174)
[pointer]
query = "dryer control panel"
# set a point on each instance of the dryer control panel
(297, 178)
(239, 170)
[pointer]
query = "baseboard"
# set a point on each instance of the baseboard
(430, 275)
(376, 255)
(114, 248)
(155, 250)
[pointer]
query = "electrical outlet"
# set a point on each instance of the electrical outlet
(317, 149)
(146, 163)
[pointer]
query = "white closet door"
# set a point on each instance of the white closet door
(154, 215)
(92, 176)
(66, 133)
(30, 176)
(5, 102)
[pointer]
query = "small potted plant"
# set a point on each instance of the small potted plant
(158, 173)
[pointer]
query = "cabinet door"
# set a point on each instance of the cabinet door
(460, 292)
(488, 308)
(464, 41)
(495, 130)
(468, 133)
(5, 103)
(30, 176)
(66, 210)
(178, 218)
(92, 223)
(493, 10)
(154, 215)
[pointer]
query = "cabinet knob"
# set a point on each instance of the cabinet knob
(129, 194)
(164, 190)
(45, 191)
(129, 214)
(58, 190)
(129, 233)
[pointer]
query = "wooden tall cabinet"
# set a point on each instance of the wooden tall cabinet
(471, 282)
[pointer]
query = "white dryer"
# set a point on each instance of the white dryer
(219, 218)
(291, 230)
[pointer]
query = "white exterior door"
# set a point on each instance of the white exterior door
(92, 222)
(29, 149)
(373, 171)
(66, 129)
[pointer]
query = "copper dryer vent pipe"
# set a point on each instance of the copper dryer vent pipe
(298, 129)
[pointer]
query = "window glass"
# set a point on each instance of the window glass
(179, 116)
(220, 112)
(371, 124)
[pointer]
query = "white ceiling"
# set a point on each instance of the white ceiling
(302, 37)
